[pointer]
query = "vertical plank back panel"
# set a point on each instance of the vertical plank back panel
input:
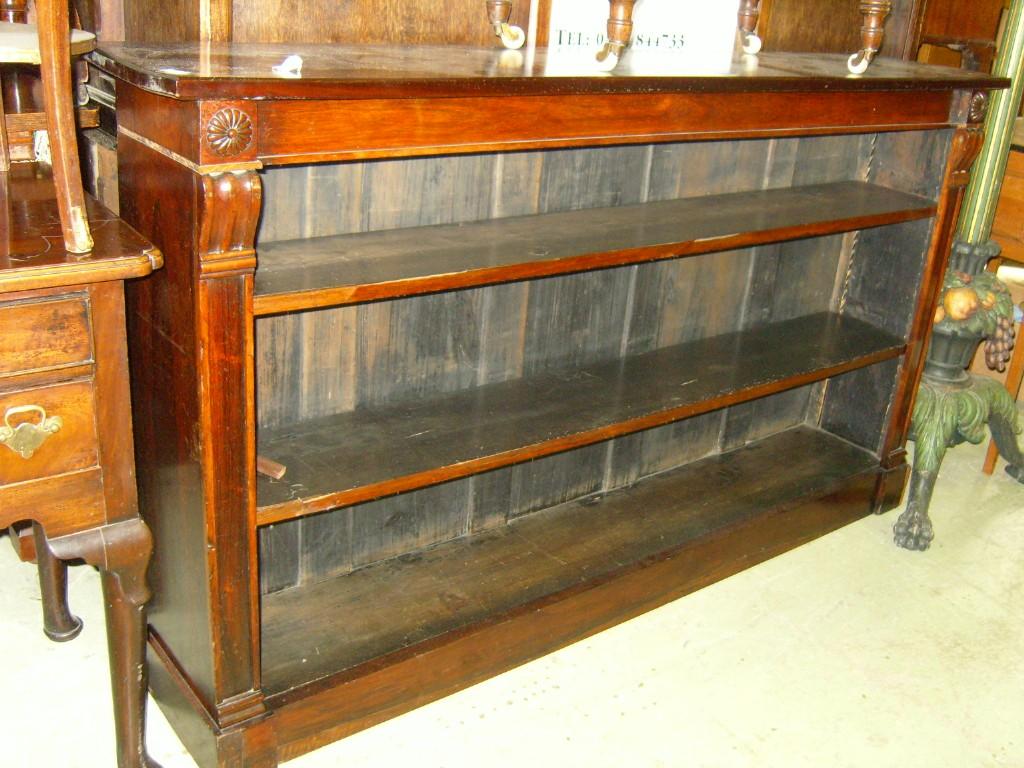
(328, 361)
(371, 21)
(882, 279)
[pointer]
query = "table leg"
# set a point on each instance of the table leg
(121, 551)
(58, 623)
(913, 529)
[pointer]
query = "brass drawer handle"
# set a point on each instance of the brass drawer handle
(26, 438)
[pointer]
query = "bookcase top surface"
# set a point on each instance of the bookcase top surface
(246, 70)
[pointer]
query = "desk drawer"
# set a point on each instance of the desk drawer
(71, 446)
(41, 335)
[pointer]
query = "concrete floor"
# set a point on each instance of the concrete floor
(844, 652)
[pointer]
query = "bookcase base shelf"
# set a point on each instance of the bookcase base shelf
(366, 646)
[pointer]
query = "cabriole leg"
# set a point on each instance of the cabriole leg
(121, 551)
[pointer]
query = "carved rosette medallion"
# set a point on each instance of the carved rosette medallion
(229, 132)
(978, 108)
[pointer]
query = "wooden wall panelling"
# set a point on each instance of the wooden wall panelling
(808, 274)
(463, 22)
(794, 278)
(966, 19)
(882, 278)
(680, 300)
(589, 310)
(167, 21)
(375, 355)
(833, 26)
(497, 332)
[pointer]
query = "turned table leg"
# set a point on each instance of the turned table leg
(58, 623)
(749, 13)
(121, 551)
(620, 31)
(498, 13)
(871, 33)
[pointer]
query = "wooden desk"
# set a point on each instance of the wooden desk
(539, 353)
(66, 446)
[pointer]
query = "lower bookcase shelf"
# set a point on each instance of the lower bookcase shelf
(393, 635)
(373, 452)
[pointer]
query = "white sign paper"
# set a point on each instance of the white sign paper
(668, 35)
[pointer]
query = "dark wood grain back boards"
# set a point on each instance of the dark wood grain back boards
(463, 22)
(316, 363)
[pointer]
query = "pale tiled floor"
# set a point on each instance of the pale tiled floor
(844, 652)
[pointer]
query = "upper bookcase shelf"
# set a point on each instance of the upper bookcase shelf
(343, 269)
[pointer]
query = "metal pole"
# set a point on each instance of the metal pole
(982, 195)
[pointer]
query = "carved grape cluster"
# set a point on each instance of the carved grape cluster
(229, 132)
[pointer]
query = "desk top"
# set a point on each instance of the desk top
(245, 70)
(32, 251)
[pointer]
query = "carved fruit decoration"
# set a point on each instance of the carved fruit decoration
(960, 303)
(978, 305)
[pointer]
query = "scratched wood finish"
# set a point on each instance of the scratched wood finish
(834, 26)
(306, 274)
(315, 21)
(370, 21)
(376, 451)
(396, 351)
(882, 281)
(397, 605)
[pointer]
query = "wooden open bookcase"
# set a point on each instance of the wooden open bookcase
(538, 353)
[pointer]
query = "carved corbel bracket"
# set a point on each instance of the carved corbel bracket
(620, 31)
(229, 212)
(966, 147)
(498, 13)
(749, 14)
(872, 31)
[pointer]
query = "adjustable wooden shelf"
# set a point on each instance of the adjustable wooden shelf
(537, 353)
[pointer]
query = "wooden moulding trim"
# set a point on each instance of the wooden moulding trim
(58, 275)
(300, 508)
(298, 131)
(24, 122)
(207, 169)
(322, 711)
(270, 304)
(113, 401)
(41, 377)
(225, 264)
(300, 158)
(67, 503)
(181, 681)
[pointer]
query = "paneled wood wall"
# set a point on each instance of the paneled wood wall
(313, 364)
(833, 26)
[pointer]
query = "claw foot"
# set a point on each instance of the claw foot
(1017, 473)
(913, 530)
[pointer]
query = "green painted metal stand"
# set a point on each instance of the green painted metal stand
(952, 406)
(946, 414)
